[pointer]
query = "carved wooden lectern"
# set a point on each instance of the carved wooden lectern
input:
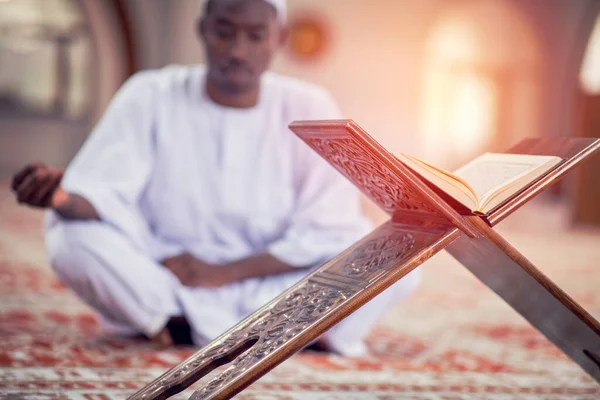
(421, 224)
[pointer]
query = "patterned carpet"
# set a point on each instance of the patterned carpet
(453, 340)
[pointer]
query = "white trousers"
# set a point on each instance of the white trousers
(132, 293)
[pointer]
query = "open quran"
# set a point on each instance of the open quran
(485, 182)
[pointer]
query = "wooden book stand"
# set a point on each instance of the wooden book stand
(421, 224)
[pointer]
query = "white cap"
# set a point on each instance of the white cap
(280, 8)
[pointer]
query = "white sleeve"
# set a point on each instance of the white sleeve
(114, 164)
(327, 217)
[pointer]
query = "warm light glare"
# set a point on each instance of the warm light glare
(454, 42)
(480, 83)
(459, 103)
(590, 70)
(472, 113)
(458, 115)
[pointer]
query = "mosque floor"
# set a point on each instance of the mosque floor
(454, 339)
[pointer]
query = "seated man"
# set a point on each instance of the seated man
(192, 202)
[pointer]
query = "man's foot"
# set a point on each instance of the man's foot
(163, 338)
(177, 332)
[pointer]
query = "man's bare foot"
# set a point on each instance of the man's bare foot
(177, 332)
(163, 338)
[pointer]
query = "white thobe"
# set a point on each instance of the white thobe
(170, 171)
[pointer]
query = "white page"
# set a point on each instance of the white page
(492, 170)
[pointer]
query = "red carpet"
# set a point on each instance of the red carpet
(453, 340)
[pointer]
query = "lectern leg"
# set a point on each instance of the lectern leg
(526, 289)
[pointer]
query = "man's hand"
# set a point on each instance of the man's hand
(38, 185)
(194, 272)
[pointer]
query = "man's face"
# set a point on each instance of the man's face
(240, 37)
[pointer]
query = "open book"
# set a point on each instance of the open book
(488, 180)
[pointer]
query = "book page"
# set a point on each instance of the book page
(450, 184)
(490, 171)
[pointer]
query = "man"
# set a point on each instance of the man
(192, 202)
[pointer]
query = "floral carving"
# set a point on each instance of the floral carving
(377, 254)
(377, 180)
